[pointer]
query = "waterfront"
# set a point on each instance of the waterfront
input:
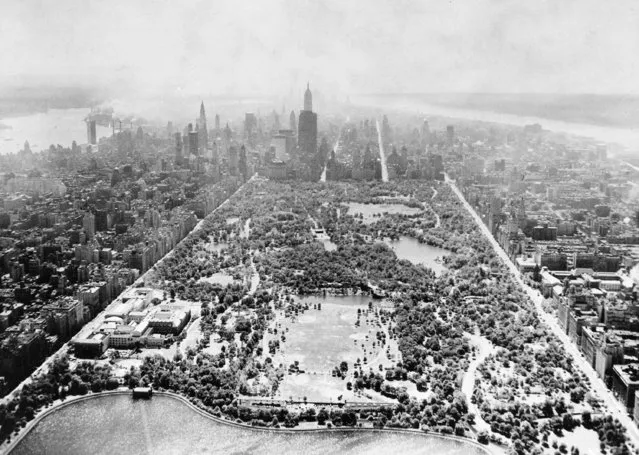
(56, 126)
(118, 424)
(623, 136)
(63, 126)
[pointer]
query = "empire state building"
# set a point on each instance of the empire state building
(307, 131)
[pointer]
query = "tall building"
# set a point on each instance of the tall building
(92, 136)
(293, 122)
(178, 149)
(308, 99)
(283, 142)
(307, 134)
(275, 121)
(450, 135)
(233, 161)
(228, 132)
(242, 163)
(88, 223)
(203, 135)
(217, 122)
(193, 142)
(425, 133)
(250, 125)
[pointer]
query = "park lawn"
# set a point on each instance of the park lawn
(320, 340)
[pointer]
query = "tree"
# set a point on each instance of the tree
(97, 385)
(349, 419)
(536, 273)
(322, 416)
(568, 422)
(577, 395)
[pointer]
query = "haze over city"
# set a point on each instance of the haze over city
(159, 48)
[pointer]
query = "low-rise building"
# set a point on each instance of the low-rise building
(625, 382)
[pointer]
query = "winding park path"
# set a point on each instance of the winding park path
(485, 348)
(438, 223)
(254, 280)
(439, 220)
(255, 277)
(615, 408)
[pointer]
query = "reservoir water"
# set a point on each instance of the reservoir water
(116, 424)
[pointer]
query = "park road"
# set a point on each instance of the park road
(614, 407)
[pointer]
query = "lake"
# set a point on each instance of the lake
(374, 212)
(419, 253)
(163, 425)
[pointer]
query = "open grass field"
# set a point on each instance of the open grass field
(321, 339)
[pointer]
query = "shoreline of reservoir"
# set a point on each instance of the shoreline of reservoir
(8, 447)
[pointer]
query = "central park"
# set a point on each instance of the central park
(344, 306)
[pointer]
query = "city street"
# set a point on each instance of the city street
(610, 402)
(382, 154)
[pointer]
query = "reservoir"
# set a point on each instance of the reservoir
(419, 253)
(163, 425)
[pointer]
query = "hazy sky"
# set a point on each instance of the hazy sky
(362, 46)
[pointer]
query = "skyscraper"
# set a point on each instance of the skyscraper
(203, 134)
(91, 132)
(293, 122)
(217, 122)
(250, 126)
(308, 99)
(307, 134)
(192, 137)
(242, 163)
(178, 149)
(233, 160)
(275, 121)
(450, 135)
(425, 133)
(88, 223)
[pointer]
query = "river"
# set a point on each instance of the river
(56, 126)
(63, 126)
(623, 136)
(163, 425)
